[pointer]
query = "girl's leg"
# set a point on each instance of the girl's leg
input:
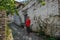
(28, 31)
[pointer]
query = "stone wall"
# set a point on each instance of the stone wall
(59, 6)
(50, 8)
(18, 19)
(36, 10)
(2, 24)
(53, 27)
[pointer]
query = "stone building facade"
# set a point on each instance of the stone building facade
(35, 9)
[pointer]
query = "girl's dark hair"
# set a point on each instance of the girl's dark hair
(26, 14)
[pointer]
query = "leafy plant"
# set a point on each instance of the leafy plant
(8, 32)
(51, 38)
(8, 6)
(42, 2)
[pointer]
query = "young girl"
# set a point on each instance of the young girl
(27, 23)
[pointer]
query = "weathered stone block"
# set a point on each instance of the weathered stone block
(2, 24)
(0, 15)
(0, 27)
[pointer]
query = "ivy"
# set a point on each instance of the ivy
(8, 6)
(42, 2)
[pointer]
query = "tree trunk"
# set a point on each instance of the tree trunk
(2, 24)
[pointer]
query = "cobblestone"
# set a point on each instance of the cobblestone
(21, 34)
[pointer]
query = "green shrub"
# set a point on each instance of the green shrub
(51, 38)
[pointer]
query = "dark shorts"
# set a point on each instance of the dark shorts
(28, 30)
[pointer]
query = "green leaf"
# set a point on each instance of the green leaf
(8, 5)
(16, 12)
(43, 3)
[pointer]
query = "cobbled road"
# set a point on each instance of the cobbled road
(21, 34)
